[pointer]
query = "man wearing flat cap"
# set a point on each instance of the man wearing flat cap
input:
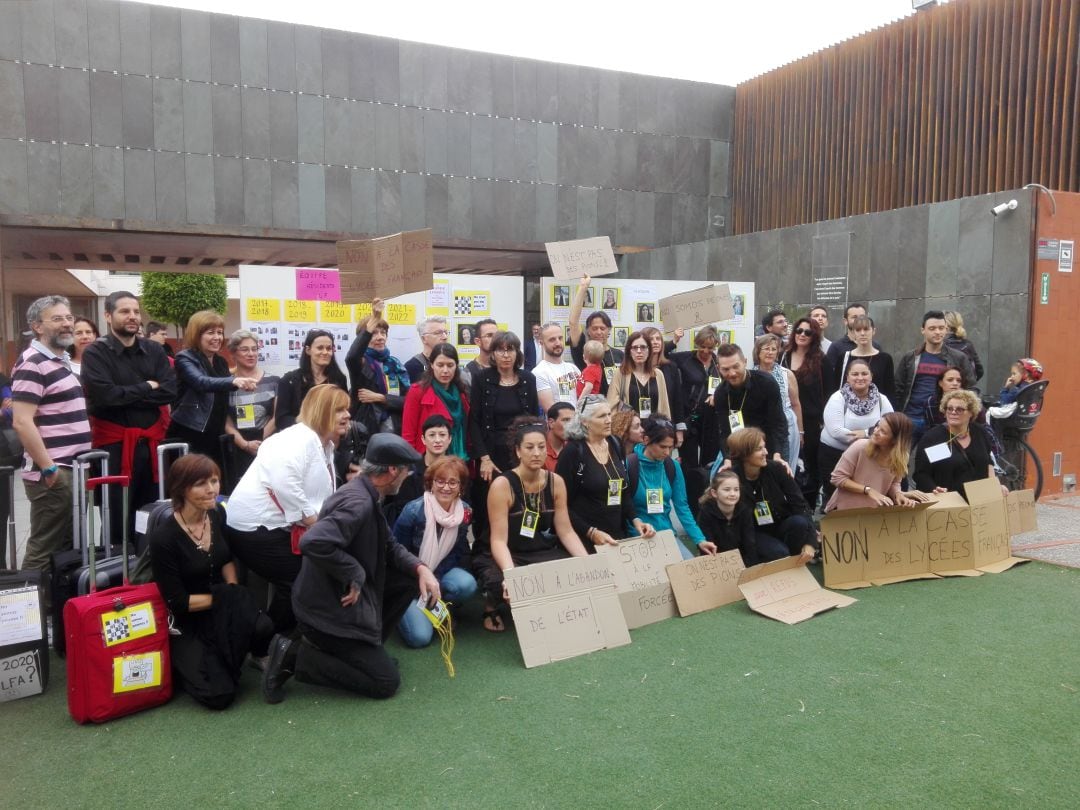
(354, 585)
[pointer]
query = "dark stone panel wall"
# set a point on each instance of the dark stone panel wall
(119, 109)
(950, 255)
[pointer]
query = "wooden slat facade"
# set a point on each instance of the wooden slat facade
(968, 98)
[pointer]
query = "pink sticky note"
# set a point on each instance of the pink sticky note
(317, 285)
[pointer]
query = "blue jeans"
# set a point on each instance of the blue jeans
(416, 630)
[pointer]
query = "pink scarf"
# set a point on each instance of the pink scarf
(434, 548)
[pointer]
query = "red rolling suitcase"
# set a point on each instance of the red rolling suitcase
(117, 642)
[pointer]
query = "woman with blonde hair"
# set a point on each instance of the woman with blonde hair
(282, 492)
(951, 455)
(871, 470)
(202, 402)
(957, 339)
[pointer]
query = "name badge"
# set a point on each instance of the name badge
(644, 407)
(714, 383)
(245, 416)
(654, 501)
(735, 420)
(393, 387)
(614, 492)
(529, 522)
(762, 513)
(566, 385)
(938, 452)
(609, 373)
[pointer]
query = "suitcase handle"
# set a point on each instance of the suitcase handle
(93, 483)
(9, 536)
(162, 449)
(80, 503)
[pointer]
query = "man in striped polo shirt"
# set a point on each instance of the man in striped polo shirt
(50, 418)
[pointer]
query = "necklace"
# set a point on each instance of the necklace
(199, 539)
(508, 383)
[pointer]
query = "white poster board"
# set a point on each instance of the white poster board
(633, 304)
(269, 310)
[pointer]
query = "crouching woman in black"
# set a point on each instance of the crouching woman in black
(782, 523)
(529, 521)
(218, 620)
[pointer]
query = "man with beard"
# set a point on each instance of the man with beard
(49, 414)
(129, 384)
(355, 583)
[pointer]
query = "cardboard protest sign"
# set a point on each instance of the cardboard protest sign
(639, 565)
(706, 582)
(1020, 508)
(989, 527)
(385, 267)
(565, 608)
(874, 546)
(581, 257)
(786, 591)
(696, 307)
(356, 272)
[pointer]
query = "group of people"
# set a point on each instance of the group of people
(365, 499)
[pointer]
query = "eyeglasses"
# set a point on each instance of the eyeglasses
(802, 331)
(60, 319)
(956, 410)
(439, 333)
(504, 350)
(639, 348)
(443, 483)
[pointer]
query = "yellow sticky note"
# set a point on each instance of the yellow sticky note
(401, 314)
(263, 309)
(334, 312)
(300, 311)
(133, 672)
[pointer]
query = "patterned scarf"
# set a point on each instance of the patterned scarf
(860, 407)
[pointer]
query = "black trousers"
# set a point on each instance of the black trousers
(827, 460)
(809, 453)
(353, 665)
(143, 488)
(268, 552)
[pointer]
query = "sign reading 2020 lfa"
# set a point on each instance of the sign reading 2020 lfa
(385, 267)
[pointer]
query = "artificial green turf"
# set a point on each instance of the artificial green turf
(958, 692)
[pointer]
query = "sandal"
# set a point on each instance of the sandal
(493, 622)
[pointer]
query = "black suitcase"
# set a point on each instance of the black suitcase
(71, 568)
(24, 640)
(143, 513)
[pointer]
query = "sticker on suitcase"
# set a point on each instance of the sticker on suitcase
(128, 624)
(133, 672)
(20, 615)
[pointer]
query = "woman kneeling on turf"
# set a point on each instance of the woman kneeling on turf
(529, 521)
(434, 527)
(870, 471)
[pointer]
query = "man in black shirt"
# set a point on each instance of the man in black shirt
(598, 328)
(128, 383)
(749, 398)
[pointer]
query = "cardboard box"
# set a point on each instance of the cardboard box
(582, 257)
(786, 591)
(697, 307)
(949, 537)
(1020, 509)
(566, 608)
(641, 579)
(706, 582)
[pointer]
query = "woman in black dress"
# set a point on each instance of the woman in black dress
(950, 455)
(500, 394)
(601, 504)
(317, 366)
(218, 621)
(812, 371)
(529, 521)
(700, 377)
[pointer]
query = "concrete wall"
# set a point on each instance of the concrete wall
(121, 110)
(950, 255)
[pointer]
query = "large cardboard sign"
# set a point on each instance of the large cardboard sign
(706, 582)
(385, 267)
(640, 565)
(582, 257)
(696, 307)
(356, 272)
(1020, 508)
(786, 591)
(949, 537)
(565, 608)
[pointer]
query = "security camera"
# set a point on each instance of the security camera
(1011, 205)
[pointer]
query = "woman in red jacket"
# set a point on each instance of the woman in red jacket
(440, 391)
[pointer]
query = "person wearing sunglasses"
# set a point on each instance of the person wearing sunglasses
(639, 383)
(951, 455)
(806, 359)
(435, 528)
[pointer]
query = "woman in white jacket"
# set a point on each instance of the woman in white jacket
(850, 414)
(282, 492)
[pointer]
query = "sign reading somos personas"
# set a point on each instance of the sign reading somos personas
(697, 307)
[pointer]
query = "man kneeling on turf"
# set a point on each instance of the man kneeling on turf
(354, 585)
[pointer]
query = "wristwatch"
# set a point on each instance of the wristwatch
(49, 472)
(866, 490)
